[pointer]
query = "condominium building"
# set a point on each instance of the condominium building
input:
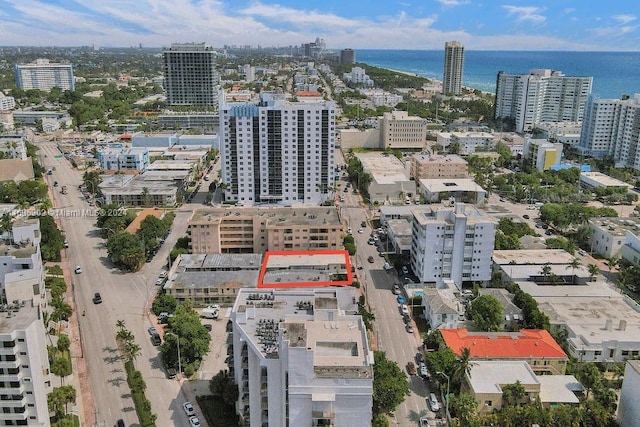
(542, 154)
(609, 235)
(277, 152)
(543, 95)
(425, 166)
(257, 230)
(133, 158)
(348, 56)
(468, 142)
(190, 74)
(400, 130)
(358, 76)
(453, 64)
(44, 75)
(611, 127)
(7, 102)
(24, 365)
(301, 357)
(452, 244)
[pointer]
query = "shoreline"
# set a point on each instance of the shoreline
(435, 82)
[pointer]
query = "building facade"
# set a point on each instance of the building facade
(277, 152)
(44, 75)
(452, 243)
(301, 357)
(190, 75)
(468, 142)
(257, 230)
(424, 166)
(541, 96)
(542, 154)
(134, 158)
(400, 130)
(348, 56)
(629, 406)
(453, 65)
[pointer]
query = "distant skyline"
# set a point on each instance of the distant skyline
(360, 24)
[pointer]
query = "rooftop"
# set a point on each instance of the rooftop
(448, 158)
(532, 257)
(437, 214)
(617, 226)
(306, 268)
(451, 185)
(559, 389)
(488, 376)
(383, 169)
(16, 316)
(604, 180)
(273, 216)
(528, 343)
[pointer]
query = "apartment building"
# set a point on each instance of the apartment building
(133, 158)
(277, 152)
(7, 102)
(452, 243)
(190, 76)
(543, 95)
(24, 366)
(468, 142)
(44, 75)
(400, 130)
(542, 154)
(609, 235)
(425, 166)
(301, 357)
(453, 65)
(611, 127)
(261, 229)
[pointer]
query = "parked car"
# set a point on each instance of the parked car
(152, 330)
(405, 270)
(406, 318)
(404, 309)
(526, 216)
(97, 299)
(155, 339)
(194, 421)
(159, 281)
(188, 409)
(411, 368)
(433, 402)
(120, 423)
(582, 252)
(424, 422)
(363, 224)
(396, 289)
(409, 327)
(400, 299)
(370, 259)
(78, 270)
(419, 357)
(422, 368)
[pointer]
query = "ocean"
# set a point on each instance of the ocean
(614, 73)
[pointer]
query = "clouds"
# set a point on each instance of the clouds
(402, 24)
(530, 14)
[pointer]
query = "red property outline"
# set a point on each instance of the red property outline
(265, 262)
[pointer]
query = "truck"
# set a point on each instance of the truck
(210, 312)
(63, 190)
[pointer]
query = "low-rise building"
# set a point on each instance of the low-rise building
(190, 169)
(299, 269)
(425, 166)
(306, 347)
(146, 190)
(593, 180)
(399, 130)
(441, 308)
(202, 121)
(261, 229)
(629, 406)
(133, 158)
(468, 142)
(609, 235)
(390, 182)
(461, 190)
(16, 170)
(542, 154)
(512, 314)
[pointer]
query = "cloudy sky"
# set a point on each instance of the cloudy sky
(385, 24)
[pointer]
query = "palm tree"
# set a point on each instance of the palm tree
(575, 263)
(593, 271)
(546, 271)
(462, 366)
(120, 324)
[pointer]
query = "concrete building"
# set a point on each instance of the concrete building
(399, 130)
(629, 405)
(390, 182)
(631, 249)
(610, 128)
(51, 120)
(190, 76)
(399, 237)
(453, 66)
(7, 102)
(534, 346)
(25, 365)
(425, 166)
(608, 235)
(202, 121)
(301, 357)
(452, 243)
(542, 154)
(566, 133)
(277, 152)
(133, 158)
(44, 75)
(593, 180)
(257, 230)
(468, 142)
(347, 56)
(541, 96)
(147, 190)
(358, 77)
(158, 140)
(461, 190)
(206, 279)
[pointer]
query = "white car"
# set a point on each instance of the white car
(159, 281)
(433, 402)
(194, 421)
(349, 230)
(405, 270)
(404, 309)
(78, 270)
(188, 409)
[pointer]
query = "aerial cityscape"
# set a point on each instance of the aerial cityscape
(267, 214)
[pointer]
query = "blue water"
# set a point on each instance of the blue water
(614, 73)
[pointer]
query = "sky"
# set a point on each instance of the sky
(583, 25)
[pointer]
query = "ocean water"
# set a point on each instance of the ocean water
(614, 73)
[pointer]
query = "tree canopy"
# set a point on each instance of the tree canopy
(487, 313)
(390, 385)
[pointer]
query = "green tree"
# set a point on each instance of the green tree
(461, 368)
(441, 361)
(222, 386)
(575, 263)
(61, 367)
(589, 376)
(513, 394)
(594, 270)
(125, 250)
(487, 313)
(194, 338)
(390, 385)
(164, 303)
(63, 343)
(59, 398)
(463, 406)
(52, 239)
(546, 271)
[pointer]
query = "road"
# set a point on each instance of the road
(125, 297)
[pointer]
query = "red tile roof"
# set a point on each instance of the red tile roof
(309, 93)
(528, 343)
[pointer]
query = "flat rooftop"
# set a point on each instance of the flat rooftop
(604, 180)
(309, 215)
(17, 316)
(439, 213)
(448, 158)
(172, 165)
(17, 250)
(487, 376)
(617, 226)
(383, 169)
(451, 185)
(532, 256)
(559, 389)
(306, 268)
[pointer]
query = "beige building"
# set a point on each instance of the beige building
(400, 130)
(261, 229)
(424, 166)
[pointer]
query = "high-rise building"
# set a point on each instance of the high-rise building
(452, 244)
(541, 96)
(612, 127)
(453, 64)
(190, 75)
(44, 75)
(348, 56)
(277, 152)
(301, 357)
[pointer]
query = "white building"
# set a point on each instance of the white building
(467, 141)
(44, 75)
(25, 365)
(610, 127)
(608, 235)
(358, 76)
(400, 130)
(7, 102)
(593, 180)
(452, 243)
(463, 190)
(453, 66)
(390, 181)
(629, 406)
(567, 133)
(301, 357)
(133, 158)
(541, 96)
(277, 152)
(441, 308)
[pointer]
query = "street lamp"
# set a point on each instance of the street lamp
(178, 341)
(447, 403)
